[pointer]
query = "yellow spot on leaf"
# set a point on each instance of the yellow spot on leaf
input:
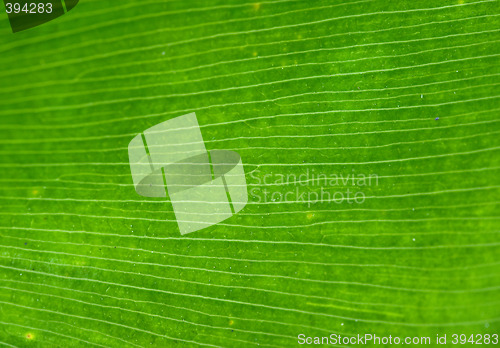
(310, 215)
(30, 336)
(256, 6)
(231, 322)
(255, 54)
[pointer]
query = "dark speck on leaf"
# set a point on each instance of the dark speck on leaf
(25, 243)
(437, 118)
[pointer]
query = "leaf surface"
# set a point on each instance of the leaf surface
(311, 95)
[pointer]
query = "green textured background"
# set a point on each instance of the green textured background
(325, 86)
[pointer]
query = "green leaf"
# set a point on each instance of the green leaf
(310, 95)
